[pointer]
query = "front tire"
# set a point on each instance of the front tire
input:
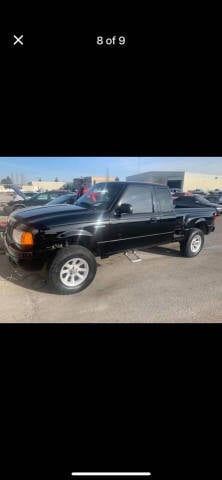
(72, 270)
(193, 245)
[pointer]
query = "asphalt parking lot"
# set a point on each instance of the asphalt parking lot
(164, 287)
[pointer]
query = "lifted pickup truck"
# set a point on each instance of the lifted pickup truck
(111, 217)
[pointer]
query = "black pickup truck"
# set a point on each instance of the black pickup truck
(111, 217)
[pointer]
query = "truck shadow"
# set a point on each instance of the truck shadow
(28, 279)
(37, 281)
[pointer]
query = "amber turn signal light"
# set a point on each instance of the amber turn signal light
(27, 239)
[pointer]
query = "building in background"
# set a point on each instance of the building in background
(89, 181)
(47, 185)
(181, 179)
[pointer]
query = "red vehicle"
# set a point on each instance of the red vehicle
(2, 226)
(82, 191)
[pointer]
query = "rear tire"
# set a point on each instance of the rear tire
(72, 270)
(193, 245)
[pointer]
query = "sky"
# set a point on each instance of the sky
(66, 168)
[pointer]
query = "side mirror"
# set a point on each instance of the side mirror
(124, 208)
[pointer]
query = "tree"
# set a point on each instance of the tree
(6, 181)
(39, 180)
(22, 176)
(117, 179)
(68, 186)
(56, 179)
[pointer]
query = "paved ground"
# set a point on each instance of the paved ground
(164, 287)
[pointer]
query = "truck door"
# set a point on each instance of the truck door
(167, 222)
(138, 229)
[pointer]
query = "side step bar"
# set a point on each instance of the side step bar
(133, 257)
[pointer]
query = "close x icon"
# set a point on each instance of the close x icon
(17, 39)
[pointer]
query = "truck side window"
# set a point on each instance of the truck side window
(165, 200)
(140, 197)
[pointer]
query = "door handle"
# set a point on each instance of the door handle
(153, 219)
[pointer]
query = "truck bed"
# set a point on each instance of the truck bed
(195, 212)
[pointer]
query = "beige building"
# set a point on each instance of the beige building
(181, 179)
(102, 179)
(3, 189)
(48, 185)
(35, 186)
(203, 181)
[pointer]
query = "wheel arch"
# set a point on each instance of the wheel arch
(80, 237)
(16, 207)
(64, 255)
(202, 225)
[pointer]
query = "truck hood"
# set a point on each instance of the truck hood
(60, 214)
(18, 191)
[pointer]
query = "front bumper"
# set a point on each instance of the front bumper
(15, 253)
(22, 257)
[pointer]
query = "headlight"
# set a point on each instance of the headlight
(23, 237)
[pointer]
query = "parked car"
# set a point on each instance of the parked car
(29, 194)
(38, 199)
(214, 198)
(198, 191)
(193, 201)
(174, 191)
(182, 194)
(111, 217)
(216, 190)
(69, 198)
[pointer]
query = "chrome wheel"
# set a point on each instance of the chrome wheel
(195, 244)
(74, 272)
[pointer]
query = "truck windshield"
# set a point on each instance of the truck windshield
(99, 196)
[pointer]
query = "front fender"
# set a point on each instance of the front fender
(77, 237)
(75, 233)
(201, 220)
